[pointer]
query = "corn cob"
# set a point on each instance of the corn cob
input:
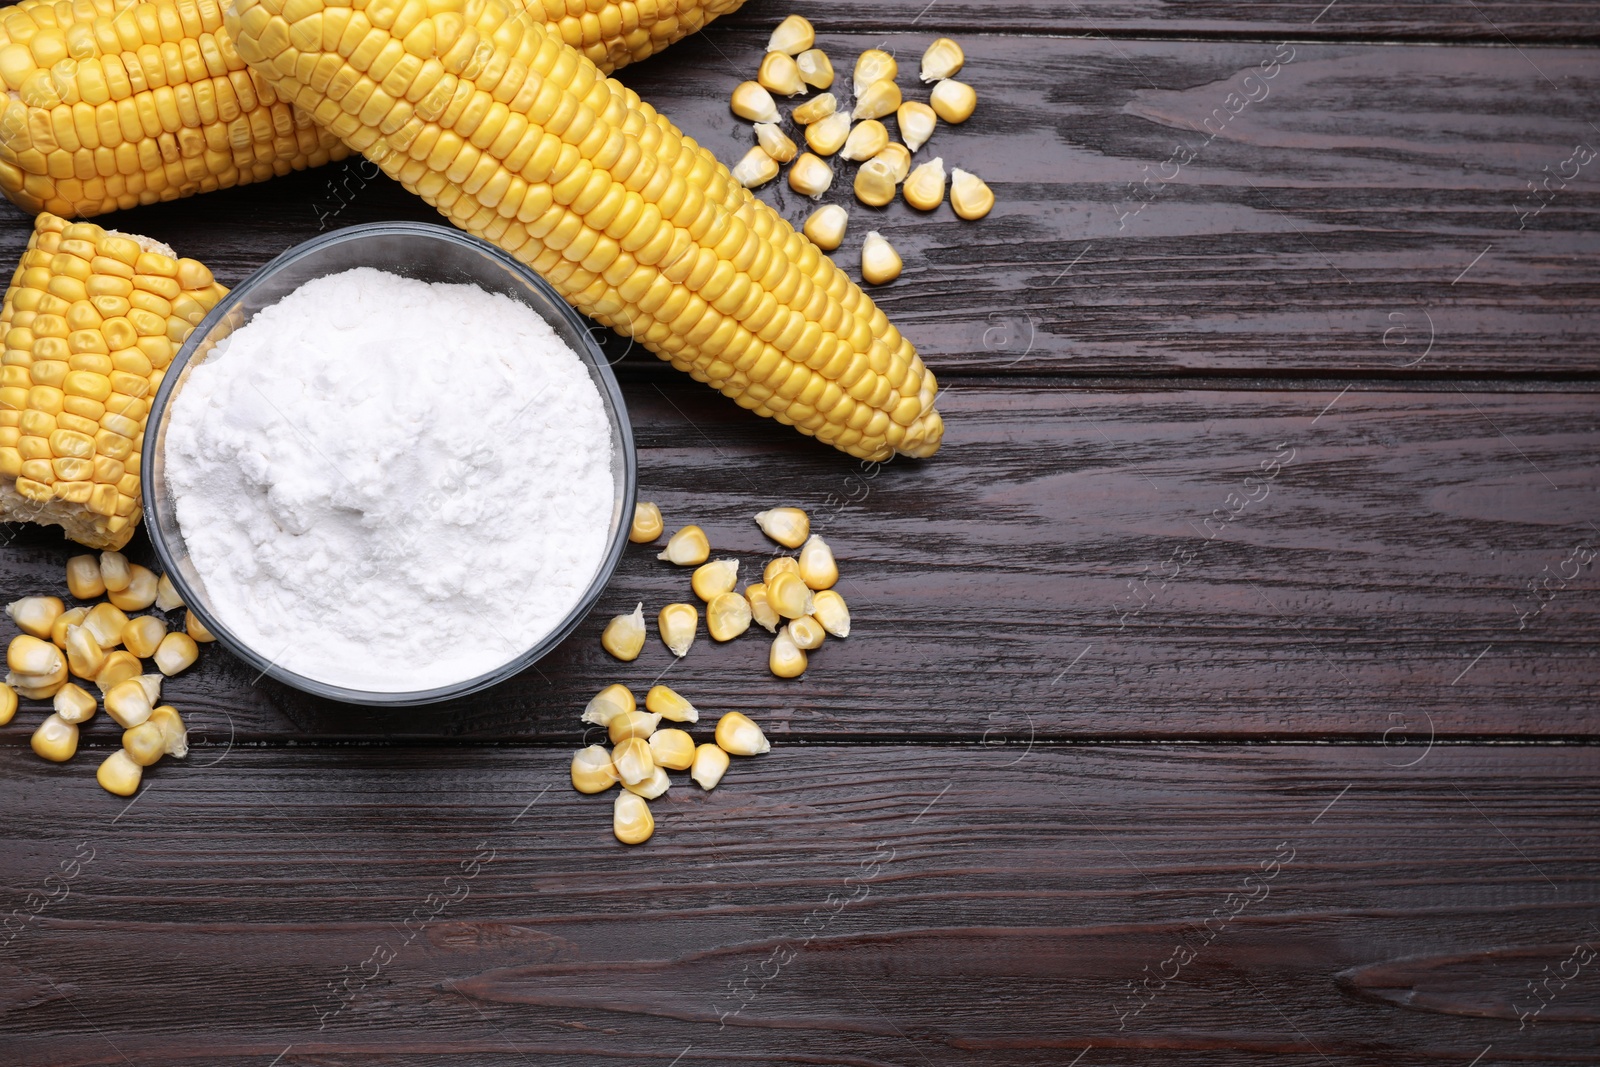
(115, 103)
(90, 323)
(520, 139)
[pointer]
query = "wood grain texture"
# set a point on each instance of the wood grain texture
(1071, 565)
(899, 905)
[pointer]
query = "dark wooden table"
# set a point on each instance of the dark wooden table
(1225, 692)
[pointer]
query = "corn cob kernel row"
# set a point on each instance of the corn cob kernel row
(523, 141)
(90, 323)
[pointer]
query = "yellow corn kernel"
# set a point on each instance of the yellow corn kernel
(788, 526)
(106, 621)
(36, 686)
(140, 591)
(806, 633)
(128, 702)
(778, 565)
(151, 684)
(672, 748)
(173, 732)
(610, 702)
(85, 657)
(715, 578)
(83, 578)
(29, 655)
(632, 724)
(816, 70)
(774, 142)
(829, 608)
(36, 615)
(8, 703)
(653, 786)
(897, 158)
(874, 66)
(761, 609)
(631, 820)
(826, 226)
(827, 136)
(167, 598)
(953, 101)
(176, 652)
(633, 760)
(120, 666)
(592, 770)
(880, 263)
(738, 735)
(115, 571)
(793, 36)
(727, 616)
(689, 547)
(751, 101)
(866, 140)
(670, 705)
(924, 187)
(65, 621)
(785, 659)
(54, 739)
(195, 628)
(943, 59)
(880, 99)
(788, 595)
(916, 121)
(144, 743)
(710, 764)
(778, 74)
(143, 635)
(969, 196)
(677, 624)
(875, 183)
(74, 704)
(815, 110)
(817, 566)
(756, 169)
(810, 176)
(119, 774)
(623, 636)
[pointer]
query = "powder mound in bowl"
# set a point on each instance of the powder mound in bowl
(392, 485)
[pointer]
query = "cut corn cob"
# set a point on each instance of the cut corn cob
(115, 103)
(90, 323)
(523, 141)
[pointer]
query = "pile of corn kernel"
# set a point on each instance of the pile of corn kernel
(792, 67)
(58, 643)
(643, 754)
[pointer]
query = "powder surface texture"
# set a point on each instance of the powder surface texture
(392, 485)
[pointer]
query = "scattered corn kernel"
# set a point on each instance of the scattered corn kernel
(817, 566)
(115, 571)
(874, 66)
(897, 157)
(677, 624)
(727, 616)
(652, 787)
(793, 36)
(8, 703)
(672, 748)
(592, 771)
(756, 169)
(865, 141)
(880, 99)
(786, 659)
(789, 595)
(615, 699)
(195, 628)
(106, 621)
(761, 609)
(916, 121)
(84, 580)
(646, 523)
(75, 704)
(778, 565)
(778, 74)
(710, 764)
(140, 592)
(632, 724)
(120, 666)
(969, 196)
(34, 687)
(173, 732)
(788, 526)
(810, 176)
(774, 142)
(875, 183)
(751, 101)
(687, 548)
(36, 615)
(65, 621)
(942, 59)
(85, 657)
(738, 735)
(634, 760)
(623, 636)
(670, 705)
(711, 580)
(55, 739)
(830, 610)
(167, 598)
(826, 225)
(144, 743)
(924, 187)
(953, 101)
(816, 69)
(177, 652)
(806, 633)
(631, 820)
(142, 635)
(880, 263)
(815, 109)
(29, 655)
(152, 687)
(128, 703)
(827, 136)
(119, 774)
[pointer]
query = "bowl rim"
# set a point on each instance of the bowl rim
(590, 352)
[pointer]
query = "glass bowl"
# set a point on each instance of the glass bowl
(425, 252)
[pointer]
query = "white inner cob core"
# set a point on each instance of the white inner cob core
(392, 485)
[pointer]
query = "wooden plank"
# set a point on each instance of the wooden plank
(884, 905)
(1361, 217)
(1071, 565)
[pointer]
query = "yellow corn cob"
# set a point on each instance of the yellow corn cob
(115, 103)
(90, 323)
(520, 139)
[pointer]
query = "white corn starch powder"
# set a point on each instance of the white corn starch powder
(392, 485)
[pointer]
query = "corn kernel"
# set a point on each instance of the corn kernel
(8, 703)
(85, 657)
(831, 611)
(774, 142)
(65, 621)
(36, 615)
(115, 571)
(119, 774)
(815, 109)
(865, 141)
(756, 169)
(817, 566)
(969, 195)
(120, 666)
(738, 735)
(788, 595)
(613, 700)
(143, 635)
(173, 733)
(916, 121)
(623, 636)
(175, 653)
(897, 158)
(633, 760)
(778, 565)
(793, 36)
(631, 724)
(631, 820)
(84, 580)
(646, 525)
(806, 633)
(751, 101)
(727, 616)
(167, 598)
(827, 136)
(875, 183)
(874, 66)
(195, 628)
(826, 225)
(652, 787)
(670, 705)
(953, 101)
(816, 69)
(710, 764)
(139, 593)
(785, 659)
(128, 703)
(788, 526)
(677, 624)
(106, 621)
(687, 548)
(880, 263)
(55, 739)
(880, 99)
(672, 748)
(29, 655)
(924, 187)
(592, 770)
(74, 704)
(144, 743)
(943, 59)
(810, 176)
(710, 580)
(761, 609)
(778, 74)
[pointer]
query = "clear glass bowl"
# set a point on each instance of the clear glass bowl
(428, 253)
